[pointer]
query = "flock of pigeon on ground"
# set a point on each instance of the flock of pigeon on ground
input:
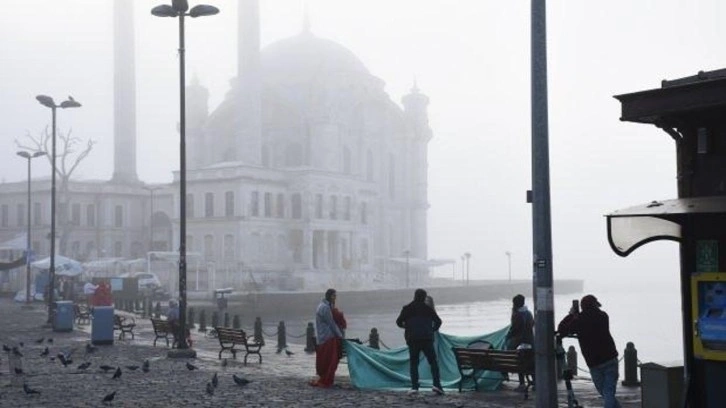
(66, 359)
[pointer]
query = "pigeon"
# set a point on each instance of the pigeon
(132, 367)
(109, 397)
(63, 360)
(279, 350)
(90, 348)
(29, 390)
(18, 371)
(215, 380)
(224, 363)
(106, 368)
(191, 367)
(70, 353)
(52, 358)
(40, 340)
(288, 352)
(17, 352)
(117, 373)
(84, 365)
(210, 389)
(240, 381)
(6, 348)
(45, 352)
(21, 344)
(145, 366)
(50, 340)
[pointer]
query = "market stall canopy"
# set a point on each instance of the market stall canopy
(63, 266)
(19, 242)
(633, 227)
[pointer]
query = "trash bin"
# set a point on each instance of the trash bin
(661, 385)
(63, 317)
(102, 325)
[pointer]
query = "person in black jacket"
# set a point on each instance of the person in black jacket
(592, 328)
(520, 334)
(419, 322)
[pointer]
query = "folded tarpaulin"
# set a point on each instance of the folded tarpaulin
(389, 369)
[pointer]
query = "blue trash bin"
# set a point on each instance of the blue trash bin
(102, 325)
(64, 316)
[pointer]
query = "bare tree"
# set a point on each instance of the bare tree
(70, 152)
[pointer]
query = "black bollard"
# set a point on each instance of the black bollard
(190, 317)
(310, 338)
(226, 319)
(157, 310)
(203, 321)
(630, 361)
(258, 331)
(572, 360)
(560, 360)
(281, 336)
(373, 339)
(235, 322)
(215, 320)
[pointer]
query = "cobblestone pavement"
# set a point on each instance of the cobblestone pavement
(280, 381)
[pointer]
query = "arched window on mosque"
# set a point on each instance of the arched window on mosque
(346, 160)
(293, 155)
(369, 166)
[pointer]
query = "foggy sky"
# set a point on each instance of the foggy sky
(471, 57)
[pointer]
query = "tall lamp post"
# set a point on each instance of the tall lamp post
(29, 157)
(407, 253)
(48, 102)
(509, 264)
(151, 214)
(178, 8)
(467, 256)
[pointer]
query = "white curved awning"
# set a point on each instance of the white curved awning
(633, 227)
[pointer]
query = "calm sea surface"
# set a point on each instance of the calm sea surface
(647, 315)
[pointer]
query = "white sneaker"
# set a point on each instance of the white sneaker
(412, 391)
(437, 390)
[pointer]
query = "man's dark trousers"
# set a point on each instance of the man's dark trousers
(415, 347)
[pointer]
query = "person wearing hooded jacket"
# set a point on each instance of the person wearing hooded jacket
(520, 334)
(419, 322)
(592, 328)
(329, 338)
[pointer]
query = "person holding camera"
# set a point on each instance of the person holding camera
(592, 328)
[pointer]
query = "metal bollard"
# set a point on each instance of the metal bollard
(157, 310)
(310, 338)
(630, 361)
(572, 360)
(281, 336)
(258, 331)
(190, 317)
(215, 320)
(226, 319)
(203, 321)
(373, 339)
(235, 322)
(560, 360)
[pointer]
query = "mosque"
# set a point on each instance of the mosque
(307, 175)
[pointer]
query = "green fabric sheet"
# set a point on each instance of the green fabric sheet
(389, 369)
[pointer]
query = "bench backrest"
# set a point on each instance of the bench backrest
(512, 361)
(160, 325)
(227, 335)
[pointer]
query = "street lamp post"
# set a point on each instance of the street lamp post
(151, 215)
(509, 264)
(48, 102)
(407, 253)
(29, 157)
(463, 269)
(467, 255)
(178, 8)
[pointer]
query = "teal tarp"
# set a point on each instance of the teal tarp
(389, 369)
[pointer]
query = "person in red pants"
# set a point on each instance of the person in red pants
(329, 337)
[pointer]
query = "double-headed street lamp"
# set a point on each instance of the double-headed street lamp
(47, 101)
(467, 256)
(509, 263)
(28, 156)
(407, 253)
(178, 8)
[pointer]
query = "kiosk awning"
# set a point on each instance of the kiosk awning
(633, 227)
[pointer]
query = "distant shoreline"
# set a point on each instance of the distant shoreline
(283, 305)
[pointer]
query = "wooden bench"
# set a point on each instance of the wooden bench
(473, 362)
(125, 325)
(229, 338)
(83, 314)
(162, 330)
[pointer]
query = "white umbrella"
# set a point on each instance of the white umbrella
(63, 266)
